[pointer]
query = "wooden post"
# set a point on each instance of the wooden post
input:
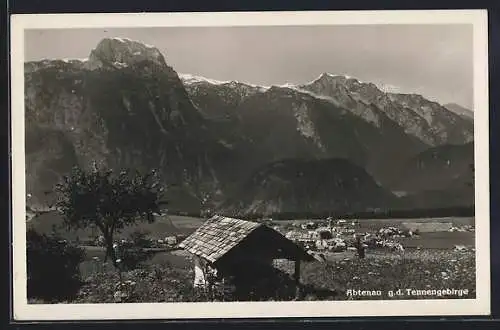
(296, 276)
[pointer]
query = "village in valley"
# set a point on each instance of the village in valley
(329, 235)
(339, 235)
(210, 259)
(144, 184)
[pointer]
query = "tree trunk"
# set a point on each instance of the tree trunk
(361, 252)
(110, 252)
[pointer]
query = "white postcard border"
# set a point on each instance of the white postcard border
(442, 307)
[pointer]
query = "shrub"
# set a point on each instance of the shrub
(139, 239)
(153, 283)
(53, 267)
(132, 256)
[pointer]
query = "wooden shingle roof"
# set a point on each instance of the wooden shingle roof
(217, 236)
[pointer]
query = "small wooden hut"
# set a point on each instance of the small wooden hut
(243, 251)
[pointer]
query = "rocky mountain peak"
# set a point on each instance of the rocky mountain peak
(326, 77)
(340, 85)
(122, 52)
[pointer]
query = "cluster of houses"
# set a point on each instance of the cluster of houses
(167, 241)
(322, 236)
(462, 229)
(463, 248)
(341, 235)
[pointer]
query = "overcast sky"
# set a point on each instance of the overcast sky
(433, 60)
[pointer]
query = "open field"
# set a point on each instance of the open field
(438, 240)
(162, 227)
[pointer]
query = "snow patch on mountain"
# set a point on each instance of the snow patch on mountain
(193, 79)
(190, 79)
(120, 65)
(388, 88)
(70, 60)
(287, 85)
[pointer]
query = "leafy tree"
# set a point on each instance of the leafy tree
(109, 202)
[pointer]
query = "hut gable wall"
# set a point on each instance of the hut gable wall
(199, 272)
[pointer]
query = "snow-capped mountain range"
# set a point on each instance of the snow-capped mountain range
(126, 107)
(427, 120)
